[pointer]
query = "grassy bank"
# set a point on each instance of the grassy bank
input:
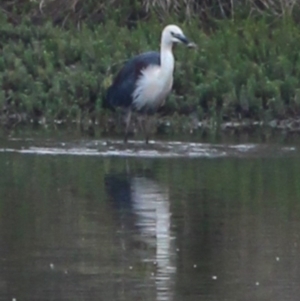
(246, 68)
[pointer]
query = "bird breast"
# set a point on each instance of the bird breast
(152, 88)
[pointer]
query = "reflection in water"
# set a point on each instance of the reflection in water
(236, 223)
(149, 203)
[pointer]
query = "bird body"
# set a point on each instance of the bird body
(152, 88)
(145, 81)
(132, 81)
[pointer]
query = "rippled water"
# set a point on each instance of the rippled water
(92, 219)
(155, 149)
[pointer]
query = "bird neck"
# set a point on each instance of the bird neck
(166, 58)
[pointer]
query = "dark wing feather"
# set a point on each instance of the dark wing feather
(120, 92)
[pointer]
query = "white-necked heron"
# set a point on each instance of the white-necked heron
(145, 81)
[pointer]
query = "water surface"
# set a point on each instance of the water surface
(91, 219)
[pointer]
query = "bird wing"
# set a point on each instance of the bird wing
(120, 92)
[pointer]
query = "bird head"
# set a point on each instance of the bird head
(173, 34)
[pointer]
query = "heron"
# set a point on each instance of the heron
(145, 80)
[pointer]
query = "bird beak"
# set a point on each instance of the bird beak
(185, 41)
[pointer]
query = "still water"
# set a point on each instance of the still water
(87, 219)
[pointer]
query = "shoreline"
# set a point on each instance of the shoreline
(182, 125)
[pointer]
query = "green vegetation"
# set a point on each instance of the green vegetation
(57, 60)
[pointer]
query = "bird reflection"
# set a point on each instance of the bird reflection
(144, 207)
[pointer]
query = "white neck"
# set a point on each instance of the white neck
(166, 58)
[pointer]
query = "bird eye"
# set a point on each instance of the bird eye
(172, 33)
